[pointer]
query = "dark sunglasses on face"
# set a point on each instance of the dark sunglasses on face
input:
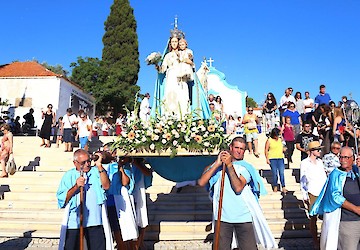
(84, 162)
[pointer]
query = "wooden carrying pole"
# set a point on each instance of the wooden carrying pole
(217, 229)
(81, 240)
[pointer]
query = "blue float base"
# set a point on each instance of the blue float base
(180, 168)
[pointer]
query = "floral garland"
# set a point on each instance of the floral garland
(164, 133)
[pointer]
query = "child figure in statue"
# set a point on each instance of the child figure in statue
(186, 64)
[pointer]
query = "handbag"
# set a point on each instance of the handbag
(11, 165)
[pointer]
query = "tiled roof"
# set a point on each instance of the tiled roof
(24, 69)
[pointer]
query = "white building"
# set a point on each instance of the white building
(26, 85)
(214, 82)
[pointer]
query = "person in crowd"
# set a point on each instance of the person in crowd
(211, 99)
(6, 148)
(105, 127)
(295, 117)
(300, 106)
(219, 105)
(303, 139)
(312, 180)
(17, 127)
(287, 130)
(84, 130)
(214, 112)
(309, 106)
(119, 123)
(325, 129)
(143, 179)
(240, 206)
(349, 136)
(239, 126)
(339, 203)
(344, 101)
(119, 200)
(322, 97)
(145, 108)
(230, 125)
(284, 102)
(60, 131)
(29, 121)
(331, 160)
(94, 182)
(332, 106)
(69, 121)
(269, 108)
(96, 127)
(274, 153)
(250, 122)
(49, 117)
(338, 125)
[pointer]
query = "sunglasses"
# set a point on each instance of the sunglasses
(250, 110)
(84, 162)
(345, 157)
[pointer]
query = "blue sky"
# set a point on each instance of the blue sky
(261, 46)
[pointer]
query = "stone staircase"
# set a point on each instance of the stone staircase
(28, 205)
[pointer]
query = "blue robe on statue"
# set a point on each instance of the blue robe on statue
(199, 103)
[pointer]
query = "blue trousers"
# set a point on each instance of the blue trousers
(277, 168)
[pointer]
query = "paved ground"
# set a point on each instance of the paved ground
(51, 244)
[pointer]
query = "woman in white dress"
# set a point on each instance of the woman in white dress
(176, 94)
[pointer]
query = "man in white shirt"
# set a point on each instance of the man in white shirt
(145, 108)
(84, 131)
(309, 106)
(312, 180)
(285, 100)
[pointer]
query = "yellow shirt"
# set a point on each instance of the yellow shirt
(275, 149)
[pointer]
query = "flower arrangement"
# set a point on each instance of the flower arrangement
(153, 58)
(169, 133)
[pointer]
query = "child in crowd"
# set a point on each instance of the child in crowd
(289, 137)
(60, 130)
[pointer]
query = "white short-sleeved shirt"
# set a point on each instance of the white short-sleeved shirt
(82, 127)
(67, 120)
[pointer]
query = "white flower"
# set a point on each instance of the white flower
(163, 141)
(152, 146)
(175, 142)
(206, 144)
(187, 139)
(157, 131)
(143, 139)
(170, 123)
(221, 129)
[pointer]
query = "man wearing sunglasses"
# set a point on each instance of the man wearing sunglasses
(312, 180)
(339, 202)
(331, 160)
(94, 181)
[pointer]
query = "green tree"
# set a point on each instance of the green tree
(250, 102)
(120, 56)
(57, 69)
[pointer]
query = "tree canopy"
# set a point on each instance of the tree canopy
(112, 80)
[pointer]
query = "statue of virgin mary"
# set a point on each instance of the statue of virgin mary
(173, 95)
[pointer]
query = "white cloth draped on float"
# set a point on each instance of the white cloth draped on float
(140, 203)
(126, 215)
(106, 226)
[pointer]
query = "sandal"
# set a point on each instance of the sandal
(42, 144)
(4, 176)
(48, 146)
(257, 155)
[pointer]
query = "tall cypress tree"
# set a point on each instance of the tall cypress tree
(120, 55)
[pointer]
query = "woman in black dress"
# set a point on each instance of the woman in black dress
(49, 119)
